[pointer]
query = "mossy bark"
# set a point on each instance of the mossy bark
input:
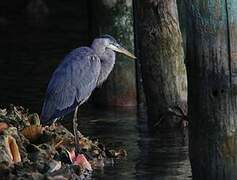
(161, 54)
(212, 79)
(116, 18)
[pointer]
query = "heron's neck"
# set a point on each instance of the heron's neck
(107, 60)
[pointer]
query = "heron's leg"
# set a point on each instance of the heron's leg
(75, 130)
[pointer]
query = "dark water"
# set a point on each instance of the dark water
(32, 46)
(160, 155)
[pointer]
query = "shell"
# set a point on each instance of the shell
(54, 166)
(121, 153)
(34, 119)
(3, 126)
(3, 112)
(82, 162)
(32, 132)
(85, 143)
(12, 149)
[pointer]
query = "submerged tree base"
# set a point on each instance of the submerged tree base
(30, 151)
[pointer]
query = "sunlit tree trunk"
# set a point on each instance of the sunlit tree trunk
(115, 17)
(161, 55)
(212, 79)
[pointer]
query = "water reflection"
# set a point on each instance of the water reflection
(162, 155)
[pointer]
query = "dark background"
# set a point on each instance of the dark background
(34, 37)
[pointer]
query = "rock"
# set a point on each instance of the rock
(12, 149)
(3, 126)
(5, 159)
(33, 132)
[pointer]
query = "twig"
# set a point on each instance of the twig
(171, 112)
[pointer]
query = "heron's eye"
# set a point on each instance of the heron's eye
(115, 44)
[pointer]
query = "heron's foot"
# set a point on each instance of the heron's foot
(78, 149)
(79, 134)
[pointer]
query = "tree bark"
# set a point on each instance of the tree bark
(161, 54)
(141, 99)
(115, 17)
(212, 79)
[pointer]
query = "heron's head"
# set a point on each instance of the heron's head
(109, 42)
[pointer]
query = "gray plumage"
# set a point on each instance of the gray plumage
(76, 77)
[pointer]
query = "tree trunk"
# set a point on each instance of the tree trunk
(141, 99)
(161, 54)
(212, 79)
(115, 17)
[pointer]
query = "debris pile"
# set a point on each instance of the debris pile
(30, 151)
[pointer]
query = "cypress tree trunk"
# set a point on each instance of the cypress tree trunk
(115, 17)
(212, 79)
(161, 54)
(141, 99)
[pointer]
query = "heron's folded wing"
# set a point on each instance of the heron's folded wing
(72, 82)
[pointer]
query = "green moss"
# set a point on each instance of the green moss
(117, 21)
(213, 16)
(122, 28)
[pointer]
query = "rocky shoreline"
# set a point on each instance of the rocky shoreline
(30, 151)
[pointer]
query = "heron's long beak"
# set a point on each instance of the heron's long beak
(122, 50)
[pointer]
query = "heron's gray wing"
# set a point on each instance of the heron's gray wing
(72, 83)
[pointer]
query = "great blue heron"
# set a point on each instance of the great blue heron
(81, 71)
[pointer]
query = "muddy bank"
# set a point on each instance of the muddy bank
(30, 151)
